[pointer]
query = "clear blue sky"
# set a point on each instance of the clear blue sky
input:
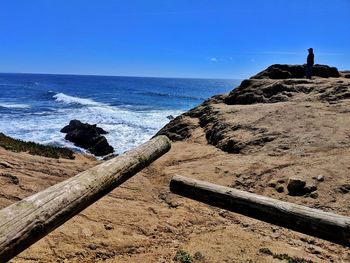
(179, 38)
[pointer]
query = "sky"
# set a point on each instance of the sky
(163, 38)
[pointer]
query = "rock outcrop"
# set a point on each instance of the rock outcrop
(88, 137)
(178, 129)
(276, 84)
(281, 71)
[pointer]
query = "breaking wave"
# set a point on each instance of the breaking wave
(14, 105)
(66, 99)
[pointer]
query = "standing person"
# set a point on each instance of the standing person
(310, 63)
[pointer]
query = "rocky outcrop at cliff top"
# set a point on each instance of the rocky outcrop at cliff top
(88, 136)
(280, 71)
(276, 84)
(279, 83)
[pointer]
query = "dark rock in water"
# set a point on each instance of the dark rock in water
(170, 117)
(76, 124)
(101, 147)
(280, 71)
(88, 137)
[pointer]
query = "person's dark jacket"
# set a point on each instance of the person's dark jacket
(310, 59)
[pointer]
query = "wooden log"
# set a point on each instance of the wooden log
(314, 222)
(25, 222)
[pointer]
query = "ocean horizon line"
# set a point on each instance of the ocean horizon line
(119, 76)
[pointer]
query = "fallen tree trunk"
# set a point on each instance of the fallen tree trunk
(30, 219)
(314, 222)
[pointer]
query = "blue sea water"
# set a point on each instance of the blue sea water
(34, 107)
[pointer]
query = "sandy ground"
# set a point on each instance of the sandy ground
(141, 221)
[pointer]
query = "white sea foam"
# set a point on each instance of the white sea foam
(14, 105)
(127, 128)
(63, 98)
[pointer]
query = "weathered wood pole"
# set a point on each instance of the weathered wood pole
(25, 222)
(314, 222)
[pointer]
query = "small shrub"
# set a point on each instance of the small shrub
(183, 257)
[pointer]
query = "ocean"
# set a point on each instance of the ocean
(35, 107)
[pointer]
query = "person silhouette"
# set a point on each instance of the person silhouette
(309, 63)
